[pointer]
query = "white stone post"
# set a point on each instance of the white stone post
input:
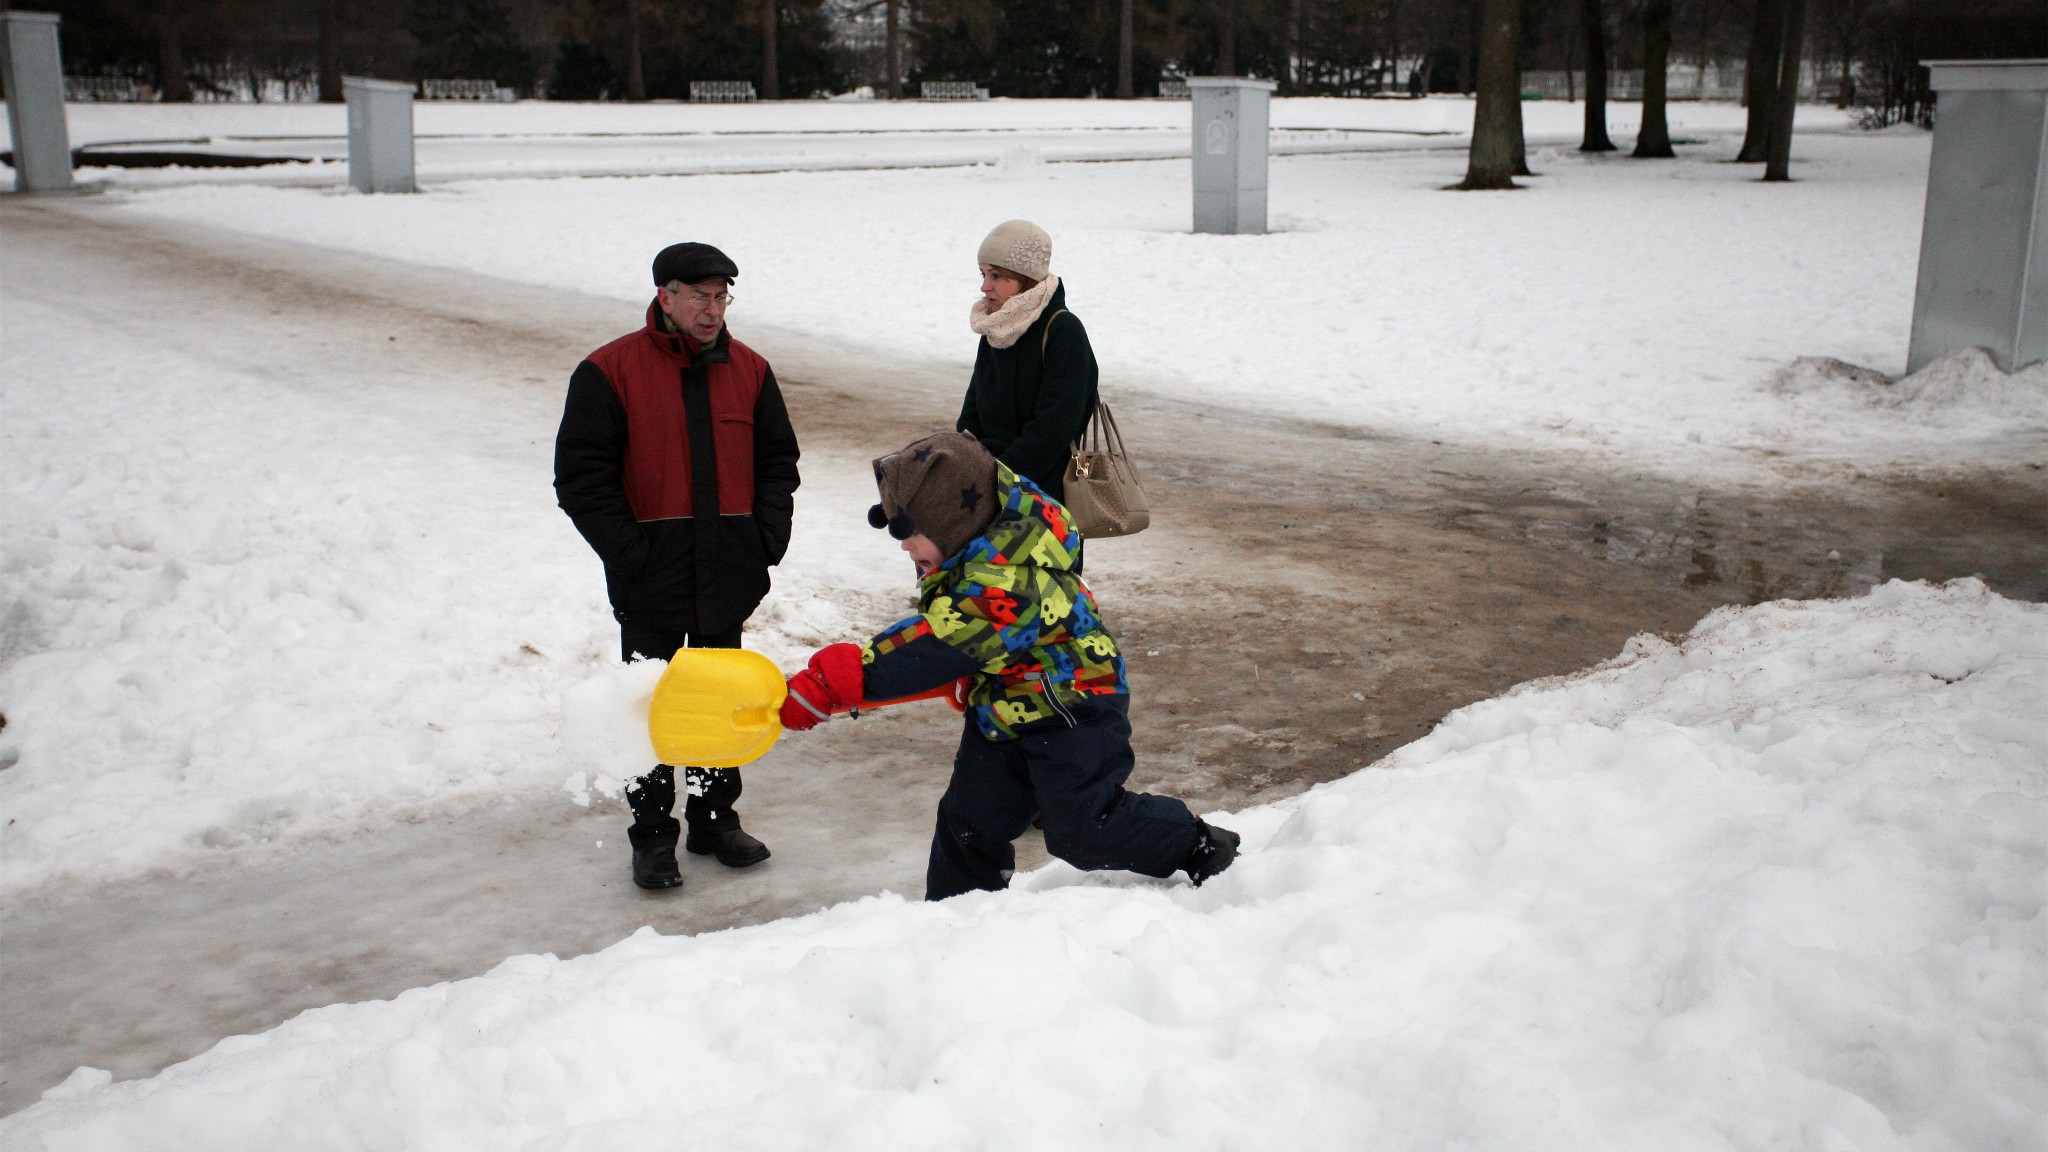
(34, 75)
(1230, 153)
(379, 135)
(1984, 243)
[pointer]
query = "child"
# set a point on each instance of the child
(1047, 728)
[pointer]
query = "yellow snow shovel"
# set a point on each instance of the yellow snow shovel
(721, 707)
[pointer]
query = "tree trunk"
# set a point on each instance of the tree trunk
(636, 76)
(170, 55)
(892, 48)
(771, 78)
(1778, 166)
(1654, 141)
(1760, 80)
(1521, 142)
(1123, 53)
(1226, 45)
(328, 49)
(1294, 48)
(1492, 160)
(1595, 20)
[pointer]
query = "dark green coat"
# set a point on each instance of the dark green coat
(1028, 407)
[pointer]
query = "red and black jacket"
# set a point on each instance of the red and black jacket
(679, 466)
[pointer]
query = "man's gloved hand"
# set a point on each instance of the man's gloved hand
(832, 683)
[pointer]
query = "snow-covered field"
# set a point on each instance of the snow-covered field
(1779, 886)
(1639, 311)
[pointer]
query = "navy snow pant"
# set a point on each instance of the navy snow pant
(1074, 777)
(711, 791)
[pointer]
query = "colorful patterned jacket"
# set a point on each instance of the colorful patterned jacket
(1009, 611)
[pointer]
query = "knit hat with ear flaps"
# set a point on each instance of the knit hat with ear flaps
(1020, 246)
(943, 486)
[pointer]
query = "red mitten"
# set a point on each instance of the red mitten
(833, 683)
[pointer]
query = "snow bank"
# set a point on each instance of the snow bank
(1778, 886)
(1962, 389)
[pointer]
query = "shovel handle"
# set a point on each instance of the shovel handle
(949, 692)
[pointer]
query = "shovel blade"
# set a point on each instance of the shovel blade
(716, 708)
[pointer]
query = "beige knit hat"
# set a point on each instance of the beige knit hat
(942, 486)
(1020, 246)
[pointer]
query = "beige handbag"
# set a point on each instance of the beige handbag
(1104, 496)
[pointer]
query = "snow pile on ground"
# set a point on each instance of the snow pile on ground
(1779, 886)
(242, 605)
(1624, 307)
(1965, 388)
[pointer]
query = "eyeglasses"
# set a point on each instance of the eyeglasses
(700, 299)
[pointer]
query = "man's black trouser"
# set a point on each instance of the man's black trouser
(712, 791)
(1074, 777)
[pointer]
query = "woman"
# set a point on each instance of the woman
(1033, 388)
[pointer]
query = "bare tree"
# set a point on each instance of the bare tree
(1778, 166)
(636, 75)
(1594, 20)
(1491, 163)
(170, 55)
(1654, 140)
(892, 47)
(771, 83)
(1760, 80)
(1123, 52)
(328, 49)
(1226, 37)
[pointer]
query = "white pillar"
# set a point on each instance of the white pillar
(33, 70)
(1984, 243)
(379, 135)
(1230, 153)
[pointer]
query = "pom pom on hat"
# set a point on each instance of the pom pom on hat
(942, 486)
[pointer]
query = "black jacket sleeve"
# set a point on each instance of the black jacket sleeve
(590, 466)
(1066, 398)
(970, 408)
(775, 474)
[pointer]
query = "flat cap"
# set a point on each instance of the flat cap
(691, 262)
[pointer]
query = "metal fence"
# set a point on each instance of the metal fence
(951, 90)
(722, 92)
(105, 90)
(1712, 81)
(487, 90)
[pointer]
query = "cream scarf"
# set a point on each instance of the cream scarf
(1006, 324)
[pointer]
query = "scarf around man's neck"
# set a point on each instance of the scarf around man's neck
(1005, 325)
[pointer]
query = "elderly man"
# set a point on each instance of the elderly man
(677, 462)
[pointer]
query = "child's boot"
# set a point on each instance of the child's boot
(1214, 849)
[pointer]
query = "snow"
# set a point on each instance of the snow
(1635, 311)
(1776, 886)
(243, 605)
(1779, 886)
(471, 140)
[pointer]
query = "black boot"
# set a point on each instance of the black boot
(1214, 849)
(654, 854)
(722, 836)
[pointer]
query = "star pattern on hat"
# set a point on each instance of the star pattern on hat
(970, 498)
(921, 455)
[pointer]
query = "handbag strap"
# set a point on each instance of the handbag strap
(1047, 334)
